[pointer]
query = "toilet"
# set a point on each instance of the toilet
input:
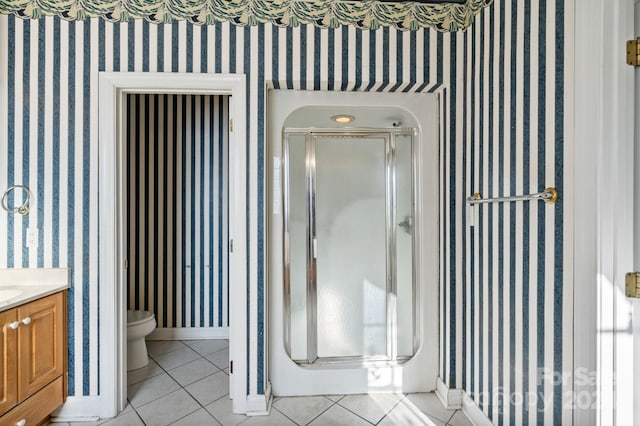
(139, 325)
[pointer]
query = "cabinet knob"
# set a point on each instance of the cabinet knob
(26, 321)
(14, 325)
(21, 422)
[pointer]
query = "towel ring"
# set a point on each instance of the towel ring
(22, 209)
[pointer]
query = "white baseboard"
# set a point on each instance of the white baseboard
(450, 398)
(473, 412)
(259, 405)
(79, 408)
(455, 399)
(191, 333)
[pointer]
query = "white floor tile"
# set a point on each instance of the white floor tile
(206, 347)
(223, 412)
(220, 358)
(197, 418)
(160, 347)
(176, 358)
(193, 371)
(127, 419)
(429, 404)
(151, 389)
(372, 407)
(150, 370)
(409, 415)
(169, 408)
(339, 416)
(210, 388)
(460, 419)
(276, 418)
(159, 399)
(302, 409)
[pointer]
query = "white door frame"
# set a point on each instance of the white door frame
(603, 215)
(113, 88)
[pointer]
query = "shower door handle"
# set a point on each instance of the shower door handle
(314, 248)
(407, 224)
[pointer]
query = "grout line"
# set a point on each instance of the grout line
(327, 409)
(354, 413)
(189, 393)
(172, 350)
(273, 406)
(392, 408)
(293, 421)
(197, 409)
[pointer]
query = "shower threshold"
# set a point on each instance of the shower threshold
(354, 361)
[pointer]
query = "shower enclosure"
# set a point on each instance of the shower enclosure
(349, 281)
(352, 243)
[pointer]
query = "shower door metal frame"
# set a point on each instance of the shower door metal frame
(389, 137)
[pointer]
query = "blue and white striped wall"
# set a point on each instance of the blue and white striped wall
(178, 208)
(513, 269)
(503, 109)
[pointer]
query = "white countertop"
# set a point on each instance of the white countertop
(18, 286)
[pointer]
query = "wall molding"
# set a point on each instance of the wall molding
(259, 405)
(473, 412)
(456, 399)
(450, 398)
(189, 333)
(79, 409)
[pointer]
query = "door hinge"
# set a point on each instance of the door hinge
(231, 367)
(231, 125)
(231, 246)
(633, 52)
(126, 264)
(632, 287)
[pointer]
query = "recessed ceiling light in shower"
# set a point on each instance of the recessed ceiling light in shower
(343, 119)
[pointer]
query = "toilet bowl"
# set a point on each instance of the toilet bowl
(139, 325)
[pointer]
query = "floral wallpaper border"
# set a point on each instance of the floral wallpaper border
(365, 14)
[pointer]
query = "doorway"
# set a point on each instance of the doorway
(114, 89)
(177, 213)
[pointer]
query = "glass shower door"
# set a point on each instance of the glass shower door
(350, 246)
(349, 288)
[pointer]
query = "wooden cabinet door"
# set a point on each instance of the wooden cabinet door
(40, 343)
(9, 366)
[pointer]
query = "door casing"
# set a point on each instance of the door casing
(114, 86)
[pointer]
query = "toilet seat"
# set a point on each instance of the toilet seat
(138, 317)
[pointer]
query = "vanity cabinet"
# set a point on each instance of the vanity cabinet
(33, 374)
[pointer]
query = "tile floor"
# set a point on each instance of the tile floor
(187, 383)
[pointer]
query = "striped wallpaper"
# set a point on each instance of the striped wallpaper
(512, 289)
(505, 296)
(178, 208)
